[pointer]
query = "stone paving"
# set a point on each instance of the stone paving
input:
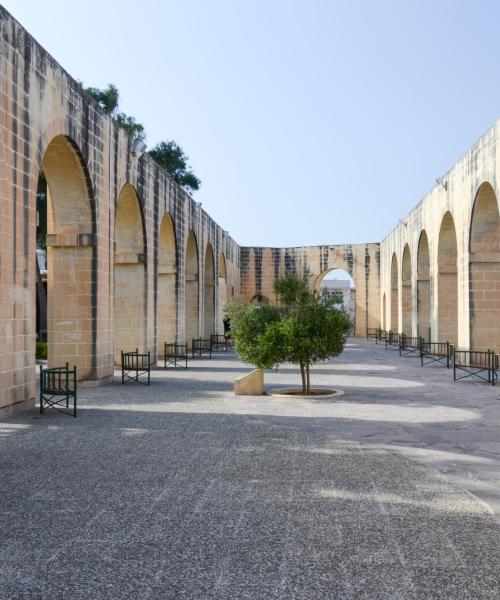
(182, 490)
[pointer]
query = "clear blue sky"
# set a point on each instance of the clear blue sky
(308, 121)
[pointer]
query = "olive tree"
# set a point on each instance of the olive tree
(254, 329)
(303, 328)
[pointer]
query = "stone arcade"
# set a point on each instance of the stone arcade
(133, 261)
(440, 267)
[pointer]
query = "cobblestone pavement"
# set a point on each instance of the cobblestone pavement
(181, 490)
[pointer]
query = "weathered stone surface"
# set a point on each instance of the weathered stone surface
(440, 267)
(183, 490)
(259, 267)
(251, 384)
(133, 260)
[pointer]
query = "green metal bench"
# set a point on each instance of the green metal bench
(218, 342)
(201, 347)
(174, 354)
(58, 387)
(137, 363)
(392, 341)
(409, 346)
(436, 352)
(480, 364)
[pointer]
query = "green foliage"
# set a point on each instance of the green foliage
(252, 329)
(171, 157)
(109, 99)
(304, 328)
(41, 350)
(168, 155)
(134, 129)
(292, 292)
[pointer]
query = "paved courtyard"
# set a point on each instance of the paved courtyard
(182, 490)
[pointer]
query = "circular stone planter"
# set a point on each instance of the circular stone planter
(315, 393)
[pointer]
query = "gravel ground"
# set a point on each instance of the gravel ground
(179, 490)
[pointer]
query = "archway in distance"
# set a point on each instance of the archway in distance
(66, 259)
(166, 310)
(406, 303)
(423, 288)
(342, 283)
(484, 271)
(447, 281)
(191, 314)
(209, 293)
(130, 275)
(394, 294)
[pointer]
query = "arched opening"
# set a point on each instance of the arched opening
(406, 308)
(192, 317)
(259, 300)
(341, 283)
(209, 293)
(394, 294)
(66, 259)
(447, 281)
(167, 269)
(130, 275)
(384, 319)
(423, 288)
(222, 291)
(484, 271)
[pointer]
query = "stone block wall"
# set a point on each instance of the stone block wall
(47, 122)
(260, 267)
(454, 276)
(133, 260)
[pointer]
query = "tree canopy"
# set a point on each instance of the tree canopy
(172, 158)
(168, 155)
(303, 328)
(109, 99)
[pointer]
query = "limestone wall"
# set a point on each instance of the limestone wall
(452, 261)
(46, 121)
(133, 260)
(261, 266)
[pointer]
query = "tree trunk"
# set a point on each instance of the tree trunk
(308, 380)
(303, 377)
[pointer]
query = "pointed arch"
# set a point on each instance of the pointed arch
(130, 291)
(423, 288)
(191, 314)
(166, 314)
(447, 281)
(484, 271)
(394, 293)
